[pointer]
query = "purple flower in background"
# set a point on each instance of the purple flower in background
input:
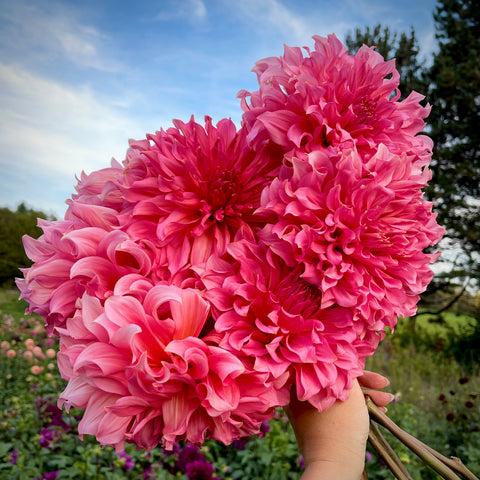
(189, 454)
(175, 450)
(13, 457)
(51, 414)
(199, 470)
(241, 443)
(148, 473)
(301, 462)
(46, 437)
(48, 476)
(129, 463)
(264, 428)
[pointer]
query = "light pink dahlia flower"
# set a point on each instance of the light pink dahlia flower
(359, 230)
(332, 98)
(146, 370)
(266, 311)
(47, 285)
(71, 258)
(195, 187)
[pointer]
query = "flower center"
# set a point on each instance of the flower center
(299, 296)
(223, 190)
(368, 107)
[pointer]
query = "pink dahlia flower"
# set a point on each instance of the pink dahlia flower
(266, 311)
(332, 98)
(146, 370)
(195, 188)
(71, 258)
(179, 197)
(359, 230)
(47, 285)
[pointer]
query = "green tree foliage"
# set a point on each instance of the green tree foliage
(454, 79)
(13, 225)
(403, 47)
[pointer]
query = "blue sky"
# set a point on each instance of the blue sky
(78, 79)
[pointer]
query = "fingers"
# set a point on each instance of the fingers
(373, 380)
(380, 399)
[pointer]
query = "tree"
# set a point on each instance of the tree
(450, 174)
(403, 47)
(454, 79)
(13, 225)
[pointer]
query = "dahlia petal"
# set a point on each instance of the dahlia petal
(77, 393)
(107, 358)
(277, 125)
(189, 315)
(177, 411)
(36, 249)
(224, 364)
(123, 311)
(112, 429)
(94, 412)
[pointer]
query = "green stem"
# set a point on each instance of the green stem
(442, 465)
(387, 453)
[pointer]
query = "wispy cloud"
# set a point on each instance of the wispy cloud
(273, 15)
(194, 10)
(52, 30)
(55, 131)
(273, 20)
(58, 121)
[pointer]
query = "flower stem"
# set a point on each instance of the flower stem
(444, 466)
(387, 453)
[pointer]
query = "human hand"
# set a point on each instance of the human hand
(333, 442)
(371, 384)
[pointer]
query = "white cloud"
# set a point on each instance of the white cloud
(198, 8)
(53, 30)
(277, 23)
(50, 117)
(275, 15)
(194, 10)
(50, 133)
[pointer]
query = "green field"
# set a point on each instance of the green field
(437, 400)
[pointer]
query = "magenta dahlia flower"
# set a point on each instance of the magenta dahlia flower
(146, 369)
(180, 197)
(359, 230)
(332, 98)
(267, 312)
(194, 189)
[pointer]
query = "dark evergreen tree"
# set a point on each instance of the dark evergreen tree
(454, 123)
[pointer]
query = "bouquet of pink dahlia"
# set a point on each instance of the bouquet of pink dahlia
(193, 286)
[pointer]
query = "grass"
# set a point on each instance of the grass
(10, 303)
(419, 376)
